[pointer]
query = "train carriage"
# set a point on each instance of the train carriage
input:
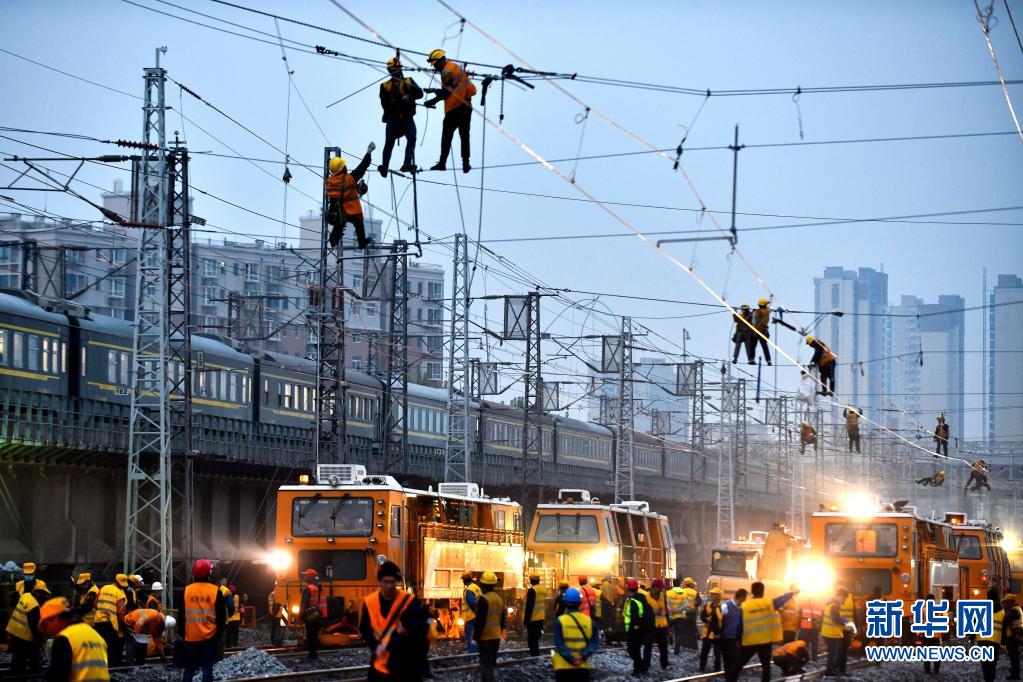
(983, 563)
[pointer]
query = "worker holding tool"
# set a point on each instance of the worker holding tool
(825, 362)
(743, 335)
(457, 95)
(761, 320)
(398, 97)
(343, 192)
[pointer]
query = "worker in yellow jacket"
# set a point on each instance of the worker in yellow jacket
(24, 638)
(761, 627)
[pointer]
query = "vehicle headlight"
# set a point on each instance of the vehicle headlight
(294, 609)
(279, 560)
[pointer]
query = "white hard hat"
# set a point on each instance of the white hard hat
(169, 622)
(157, 587)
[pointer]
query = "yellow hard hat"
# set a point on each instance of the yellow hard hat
(435, 55)
(688, 579)
(121, 579)
(762, 302)
(810, 339)
(393, 63)
(336, 165)
(534, 576)
(745, 305)
(715, 591)
(28, 568)
(941, 473)
(467, 574)
(489, 578)
(806, 423)
(83, 578)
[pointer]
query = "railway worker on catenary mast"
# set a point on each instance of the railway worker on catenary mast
(395, 626)
(535, 613)
(470, 596)
(575, 640)
(490, 626)
(343, 204)
(457, 92)
(78, 653)
(398, 96)
(825, 362)
(978, 475)
(743, 336)
(941, 433)
(761, 321)
(807, 436)
(852, 427)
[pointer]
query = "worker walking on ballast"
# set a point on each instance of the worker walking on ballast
(398, 97)
(343, 192)
(825, 361)
(761, 320)
(457, 95)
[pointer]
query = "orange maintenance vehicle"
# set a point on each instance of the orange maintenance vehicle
(347, 523)
(983, 563)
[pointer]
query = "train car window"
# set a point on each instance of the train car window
(203, 378)
(848, 539)
(339, 516)
(395, 521)
(84, 357)
(3, 347)
(499, 519)
(33, 352)
(287, 395)
(609, 529)
(337, 564)
(574, 528)
(125, 359)
(17, 358)
(667, 540)
(63, 357)
(46, 356)
(969, 547)
(517, 522)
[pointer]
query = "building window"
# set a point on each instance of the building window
(118, 256)
(251, 272)
(74, 282)
(117, 285)
(357, 283)
(208, 295)
(356, 363)
(371, 310)
(356, 338)
(436, 290)
(209, 267)
(209, 321)
(433, 370)
(6, 254)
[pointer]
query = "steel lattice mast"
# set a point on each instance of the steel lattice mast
(623, 475)
(147, 527)
(458, 449)
(532, 405)
(395, 398)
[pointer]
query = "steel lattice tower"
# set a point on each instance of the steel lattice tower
(458, 448)
(147, 527)
(623, 475)
(731, 454)
(328, 319)
(698, 438)
(532, 408)
(395, 398)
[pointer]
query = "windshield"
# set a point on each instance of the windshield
(969, 547)
(567, 528)
(338, 564)
(729, 563)
(335, 516)
(853, 539)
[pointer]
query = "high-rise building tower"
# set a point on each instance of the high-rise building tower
(1004, 367)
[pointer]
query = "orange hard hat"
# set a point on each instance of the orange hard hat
(57, 606)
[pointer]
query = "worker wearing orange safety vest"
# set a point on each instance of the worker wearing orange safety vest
(810, 614)
(395, 626)
(761, 320)
(790, 618)
(141, 625)
(343, 190)
(313, 610)
(825, 362)
(457, 92)
(205, 618)
(590, 604)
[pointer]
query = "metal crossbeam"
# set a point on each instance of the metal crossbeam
(624, 487)
(458, 448)
(395, 398)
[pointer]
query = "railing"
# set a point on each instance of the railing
(444, 531)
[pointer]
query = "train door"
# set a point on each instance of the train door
(657, 547)
(628, 538)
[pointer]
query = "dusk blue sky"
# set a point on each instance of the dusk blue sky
(695, 44)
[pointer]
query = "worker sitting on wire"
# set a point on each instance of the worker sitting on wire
(457, 95)
(978, 475)
(343, 192)
(825, 362)
(398, 97)
(743, 335)
(761, 320)
(935, 481)
(807, 436)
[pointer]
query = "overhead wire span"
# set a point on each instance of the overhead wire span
(984, 18)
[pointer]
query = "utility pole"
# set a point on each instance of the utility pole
(624, 484)
(395, 434)
(731, 454)
(457, 448)
(522, 323)
(736, 148)
(147, 528)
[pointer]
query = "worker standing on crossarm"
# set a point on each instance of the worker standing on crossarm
(825, 362)
(313, 610)
(470, 598)
(761, 322)
(457, 92)
(639, 627)
(142, 624)
(234, 621)
(395, 625)
(807, 436)
(710, 616)
(86, 593)
(78, 653)
(398, 96)
(343, 204)
(205, 620)
(978, 476)
(490, 625)
(743, 334)
(941, 434)
(111, 608)
(852, 427)
(761, 626)
(575, 640)
(534, 613)
(25, 641)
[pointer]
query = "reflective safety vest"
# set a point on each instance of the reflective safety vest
(317, 599)
(597, 608)
(90, 615)
(346, 188)
(88, 653)
(590, 601)
(996, 629)
(809, 616)
(539, 603)
(237, 615)
(467, 611)
(848, 609)
(495, 608)
(676, 603)
(458, 85)
(200, 612)
(138, 620)
(789, 616)
(1007, 635)
(18, 626)
(154, 603)
(576, 633)
(659, 606)
(109, 602)
(826, 354)
(711, 611)
(627, 612)
(385, 626)
(852, 419)
(829, 628)
(761, 318)
(19, 587)
(760, 622)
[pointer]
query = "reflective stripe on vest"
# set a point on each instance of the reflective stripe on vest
(136, 620)
(576, 633)
(760, 623)
(626, 612)
(455, 81)
(385, 626)
(467, 610)
(154, 604)
(539, 603)
(808, 618)
(90, 615)
(711, 610)
(200, 612)
(495, 608)
(848, 608)
(996, 629)
(829, 628)
(18, 625)
(107, 604)
(88, 653)
(676, 602)
(590, 601)
(659, 605)
(237, 615)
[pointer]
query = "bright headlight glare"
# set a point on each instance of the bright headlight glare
(814, 577)
(279, 560)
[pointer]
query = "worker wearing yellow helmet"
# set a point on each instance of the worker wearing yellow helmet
(743, 335)
(457, 92)
(398, 96)
(490, 626)
(343, 190)
(825, 361)
(807, 436)
(935, 481)
(710, 629)
(761, 320)
(535, 613)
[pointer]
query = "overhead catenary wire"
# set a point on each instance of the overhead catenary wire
(984, 18)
